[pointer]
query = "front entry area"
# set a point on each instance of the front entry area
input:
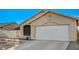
(27, 30)
(59, 33)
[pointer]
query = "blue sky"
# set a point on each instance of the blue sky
(19, 15)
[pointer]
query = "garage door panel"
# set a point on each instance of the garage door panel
(52, 33)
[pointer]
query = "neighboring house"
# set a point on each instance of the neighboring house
(8, 26)
(8, 35)
(49, 25)
(78, 30)
(8, 30)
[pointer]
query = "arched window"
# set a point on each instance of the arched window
(27, 30)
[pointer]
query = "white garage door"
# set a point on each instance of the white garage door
(60, 33)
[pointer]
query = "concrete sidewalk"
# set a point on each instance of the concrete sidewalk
(42, 45)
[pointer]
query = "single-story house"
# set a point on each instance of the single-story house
(49, 25)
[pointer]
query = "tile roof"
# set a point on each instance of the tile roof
(5, 24)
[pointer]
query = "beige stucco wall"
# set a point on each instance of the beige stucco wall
(55, 19)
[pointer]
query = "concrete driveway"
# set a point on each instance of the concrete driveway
(42, 45)
(73, 45)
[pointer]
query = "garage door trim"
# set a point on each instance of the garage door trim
(54, 26)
